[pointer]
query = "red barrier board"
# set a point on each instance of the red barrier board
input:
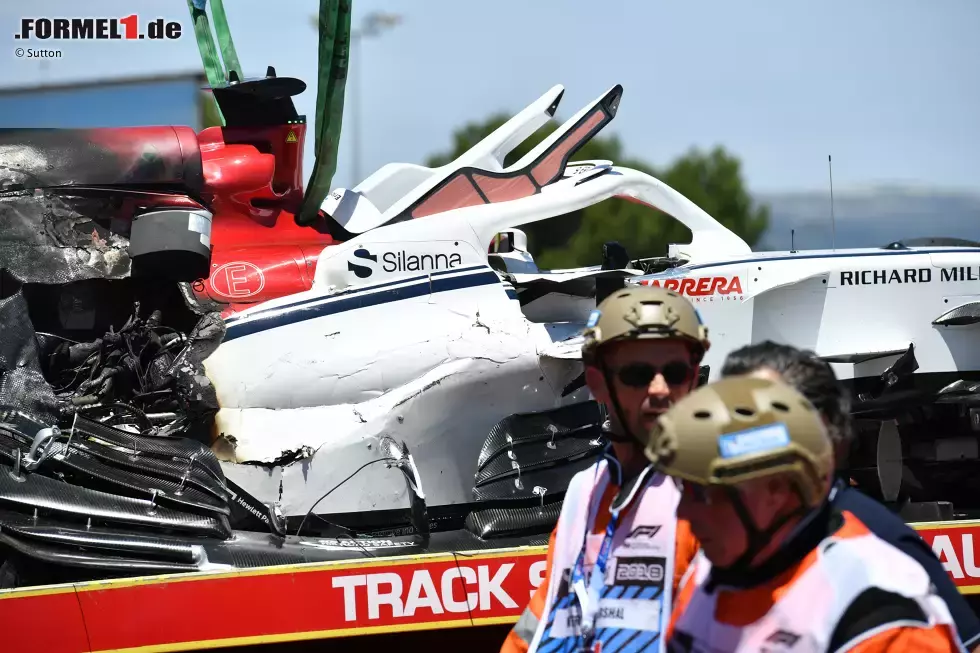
(273, 604)
(953, 543)
(317, 601)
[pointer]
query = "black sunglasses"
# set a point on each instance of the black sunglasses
(639, 375)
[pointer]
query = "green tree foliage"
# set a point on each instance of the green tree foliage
(712, 180)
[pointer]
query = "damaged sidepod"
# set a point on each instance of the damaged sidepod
(414, 329)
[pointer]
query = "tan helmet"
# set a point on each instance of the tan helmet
(644, 312)
(741, 428)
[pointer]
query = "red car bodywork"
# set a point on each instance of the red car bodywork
(254, 186)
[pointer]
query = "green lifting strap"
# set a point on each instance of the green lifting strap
(225, 42)
(202, 32)
(209, 54)
(334, 59)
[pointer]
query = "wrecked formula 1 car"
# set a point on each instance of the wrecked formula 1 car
(170, 442)
(426, 393)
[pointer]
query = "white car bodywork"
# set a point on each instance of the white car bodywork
(408, 331)
(860, 309)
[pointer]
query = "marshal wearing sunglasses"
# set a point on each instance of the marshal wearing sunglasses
(642, 375)
(618, 551)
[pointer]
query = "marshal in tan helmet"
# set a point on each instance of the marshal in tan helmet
(741, 428)
(644, 312)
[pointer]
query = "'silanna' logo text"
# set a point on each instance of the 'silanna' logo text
(402, 261)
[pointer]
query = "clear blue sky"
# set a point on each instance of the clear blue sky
(891, 88)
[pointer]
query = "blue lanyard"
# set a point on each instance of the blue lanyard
(588, 596)
(578, 572)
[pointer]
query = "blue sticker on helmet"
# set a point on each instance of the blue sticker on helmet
(698, 313)
(758, 440)
(593, 318)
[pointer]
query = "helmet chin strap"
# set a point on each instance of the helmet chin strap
(621, 434)
(757, 538)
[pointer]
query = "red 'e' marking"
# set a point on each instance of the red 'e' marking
(238, 280)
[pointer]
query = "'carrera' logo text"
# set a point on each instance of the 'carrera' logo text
(700, 287)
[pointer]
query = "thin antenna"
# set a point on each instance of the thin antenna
(792, 241)
(833, 222)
